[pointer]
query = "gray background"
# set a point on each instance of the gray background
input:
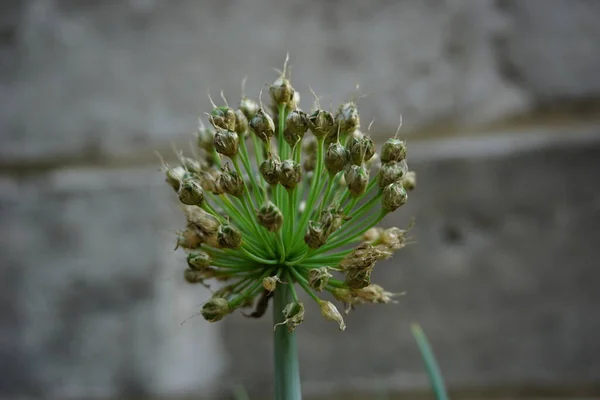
(500, 106)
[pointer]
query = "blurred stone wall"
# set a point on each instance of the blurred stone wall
(502, 275)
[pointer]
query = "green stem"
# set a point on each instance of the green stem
(287, 369)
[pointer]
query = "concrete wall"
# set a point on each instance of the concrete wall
(91, 295)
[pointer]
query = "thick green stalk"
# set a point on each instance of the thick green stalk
(287, 370)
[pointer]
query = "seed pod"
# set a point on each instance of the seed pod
(293, 314)
(296, 124)
(282, 92)
(198, 260)
(270, 170)
(315, 236)
(409, 182)
(331, 313)
(231, 182)
(262, 125)
(249, 107)
(226, 143)
(190, 192)
(318, 278)
(358, 278)
(191, 238)
(347, 117)
(336, 158)
(204, 137)
(270, 217)
(215, 309)
(369, 148)
(393, 196)
(390, 172)
(229, 237)
(332, 220)
(355, 146)
(270, 283)
(222, 118)
(321, 123)
(241, 123)
(393, 150)
(290, 174)
(357, 178)
(174, 176)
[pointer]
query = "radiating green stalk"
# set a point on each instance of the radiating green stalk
(348, 235)
(287, 370)
(250, 172)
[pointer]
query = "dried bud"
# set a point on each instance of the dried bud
(174, 176)
(241, 123)
(374, 294)
(270, 283)
(315, 235)
(321, 123)
(393, 196)
(369, 148)
(204, 137)
(357, 178)
(198, 260)
(332, 220)
(294, 315)
(282, 92)
(270, 170)
(226, 143)
(191, 238)
(223, 118)
(355, 147)
(270, 217)
(318, 278)
(249, 107)
(231, 182)
(358, 278)
(393, 150)
(262, 125)
(372, 235)
(215, 309)
(190, 192)
(336, 158)
(331, 313)
(410, 181)
(290, 174)
(205, 223)
(390, 172)
(229, 237)
(347, 117)
(296, 124)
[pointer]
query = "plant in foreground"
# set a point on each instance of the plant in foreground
(303, 210)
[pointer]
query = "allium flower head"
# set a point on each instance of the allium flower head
(281, 196)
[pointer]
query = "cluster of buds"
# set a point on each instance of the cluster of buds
(301, 210)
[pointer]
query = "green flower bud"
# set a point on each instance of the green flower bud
(369, 148)
(315, 236)
(390, 172)
(204, 137)
(293, 314)
(290, 174)
(321, 123)
(347, 117)
(393, 196)
(336, 158)
(226, 143)
(355, 147)
(223, 118)
(270, 170)
(262, 125)
(332, 220)
(270, 217)
(331, 313)
(215, 309)
(249, 107)
(393, 150)
(296, 124)
(318, 278)
(357, 178)
(190, 192)
(229, 237)
(241, 123)
(409, 182)
(198, 260)
(282, 92)
(201, 220)
(231, 182)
